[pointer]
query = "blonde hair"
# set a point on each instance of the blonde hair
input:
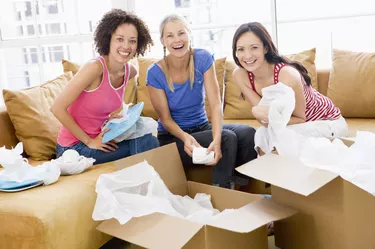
(182, 20)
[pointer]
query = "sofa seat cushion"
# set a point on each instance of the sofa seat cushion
(360, 124)
(250, 122)
(56, 216)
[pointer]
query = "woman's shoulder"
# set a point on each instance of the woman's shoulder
(201, 52)
(155, 68)
(93, 66)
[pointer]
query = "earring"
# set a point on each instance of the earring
(165, 51)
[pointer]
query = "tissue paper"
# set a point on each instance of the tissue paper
(138, 190)
(17, 168)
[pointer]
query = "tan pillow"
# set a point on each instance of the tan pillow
(220, 72)
(130, 89)
(307, 59)
(351, 84)
(237, 108)
(142, 91)
(29, 110)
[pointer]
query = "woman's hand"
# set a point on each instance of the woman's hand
(215, 146)
(96, 143)
(260, 112)
(189, 142)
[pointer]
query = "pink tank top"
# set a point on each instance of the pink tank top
(91, 109)
(318, 106)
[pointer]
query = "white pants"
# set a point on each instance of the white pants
(322, 128)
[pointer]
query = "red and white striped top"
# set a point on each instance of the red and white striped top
(318, 106)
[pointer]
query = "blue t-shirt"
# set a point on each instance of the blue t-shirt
(186, 104)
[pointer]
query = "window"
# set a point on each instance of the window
(37, 34)
(327, 24)
(213, 26)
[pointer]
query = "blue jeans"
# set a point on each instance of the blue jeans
(125, 148)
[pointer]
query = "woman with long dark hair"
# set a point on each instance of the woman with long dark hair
(260, 65)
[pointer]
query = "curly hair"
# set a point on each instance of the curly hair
(109, 23)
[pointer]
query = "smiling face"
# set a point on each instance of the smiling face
(176, 38)
(250, 51)
(124, 43)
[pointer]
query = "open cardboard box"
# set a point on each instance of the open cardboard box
(332, 212)
(245, 229)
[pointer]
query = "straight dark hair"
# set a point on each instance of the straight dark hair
(272, 55)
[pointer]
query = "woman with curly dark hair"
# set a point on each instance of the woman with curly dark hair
(97, 90)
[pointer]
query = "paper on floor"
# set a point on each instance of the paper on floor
(138, 190)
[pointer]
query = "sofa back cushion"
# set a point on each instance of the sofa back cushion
(351, 84)
(143, 94)
(7, 135)
(142, 91)
(29, 110)
(237, 108)
(130, 89)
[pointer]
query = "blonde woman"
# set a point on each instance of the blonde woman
(177, 85)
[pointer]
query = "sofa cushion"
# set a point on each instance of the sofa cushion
(220, 71)
(29, 110)
(307, 59)
(54, 216)
(360, 124)
(130, 89)
(142, 91)
(352, 83)
(235, 107)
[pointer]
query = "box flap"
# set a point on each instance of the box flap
(348, 141)
(252, 216)
(287, 173)
(166, 161)
(153, 231)
(222, 198)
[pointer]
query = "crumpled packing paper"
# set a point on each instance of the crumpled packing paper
(138, 190)
(355, 164)
(17, 168)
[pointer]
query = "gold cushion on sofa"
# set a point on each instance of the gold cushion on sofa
(220, 71)
(131, 86)
(352, 83)
(307, 59)
(237, 108)
(142, 91)
(54, 216)
(29, 112)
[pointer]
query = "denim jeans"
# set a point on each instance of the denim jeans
(237, 147)
(125, 148)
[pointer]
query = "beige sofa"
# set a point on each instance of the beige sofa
(59, 215)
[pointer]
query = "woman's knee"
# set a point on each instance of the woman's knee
(151, 141)
(246, 132)
(229, 139)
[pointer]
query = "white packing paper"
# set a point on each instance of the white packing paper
(355, 164)
(17, 168)
(138, 190)
(200, 155)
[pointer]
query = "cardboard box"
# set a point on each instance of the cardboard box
(333, 213)
(238, 230)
